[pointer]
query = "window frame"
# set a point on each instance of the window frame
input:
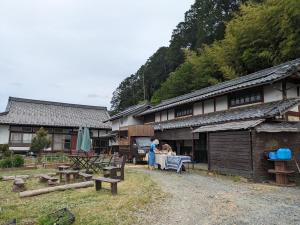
(243, 95)
(186, 110)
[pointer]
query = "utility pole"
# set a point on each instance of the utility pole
(144, 85)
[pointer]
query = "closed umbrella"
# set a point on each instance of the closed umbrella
(86, 140)
(79, 139)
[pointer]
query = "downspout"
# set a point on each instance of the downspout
(251, 151)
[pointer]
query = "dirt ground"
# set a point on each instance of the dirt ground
(200, 199)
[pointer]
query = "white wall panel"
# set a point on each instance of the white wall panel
(209, 106)
(221, 103)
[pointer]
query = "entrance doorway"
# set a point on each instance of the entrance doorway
(200, 148)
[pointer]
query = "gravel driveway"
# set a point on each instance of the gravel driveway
(201, 199)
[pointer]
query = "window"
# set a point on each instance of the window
(58, 142)
(61, 142)
(16, 138)
(184, 111)
(27, 138)
(246, 97)
(67, 143)
(149, 118)
(21, 138)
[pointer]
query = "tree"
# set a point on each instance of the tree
(203, 24)
(40, 142)
(260, 36)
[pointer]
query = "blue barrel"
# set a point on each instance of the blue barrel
(284, 153)
(272, 155)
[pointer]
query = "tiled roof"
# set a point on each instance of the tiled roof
(132, 110)
(44, 113)
(236, 125)
(260, 111)
(258, 78)
(279, 127)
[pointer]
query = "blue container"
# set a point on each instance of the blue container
(272, 155)
(284, 154)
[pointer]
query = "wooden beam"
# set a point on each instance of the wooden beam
(57, 188)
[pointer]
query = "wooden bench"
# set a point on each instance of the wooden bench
(47, 178)
(118, 166)
(19, 185)
(86, 176)
(113, 184)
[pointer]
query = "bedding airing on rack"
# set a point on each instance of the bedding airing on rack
(176, 162)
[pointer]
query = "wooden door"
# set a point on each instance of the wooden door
(230, 152)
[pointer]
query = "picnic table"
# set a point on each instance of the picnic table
(84, 161)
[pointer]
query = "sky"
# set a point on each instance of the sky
(78, 51)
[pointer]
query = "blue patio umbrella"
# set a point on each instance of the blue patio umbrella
(86, 140)
(79, 139)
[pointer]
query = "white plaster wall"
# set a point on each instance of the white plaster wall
(293, 118)
(19, 148)
(133, 121)
(115, 124)
(291, 90)
(295, 109)
(171, 114)
(272, 92)
(123, 121)
(209, 106)
(164, 115)
(197, 110)
(102, 132)
(157, 117)
(4, 134)
(221, 103)
(94, 133)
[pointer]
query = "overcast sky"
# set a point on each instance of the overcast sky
(78, 51)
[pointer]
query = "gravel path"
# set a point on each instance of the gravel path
(200, 199)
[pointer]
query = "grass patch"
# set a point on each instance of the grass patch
(88, 206)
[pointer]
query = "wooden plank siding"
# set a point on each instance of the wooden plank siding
(176, 134)
(272, 141)
(140, 131)
(230, 152)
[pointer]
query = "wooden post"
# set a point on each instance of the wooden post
(98, 185)
(114, 188)
(67, 178)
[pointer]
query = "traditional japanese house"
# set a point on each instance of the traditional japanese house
(23, 117)
(130, 133)
(230, 125)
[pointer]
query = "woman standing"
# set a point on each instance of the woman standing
(151, 154)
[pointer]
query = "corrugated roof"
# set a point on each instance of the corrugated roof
(45, 113)
(253, 112)
(132, 110)
(258, 78)
(237, 125)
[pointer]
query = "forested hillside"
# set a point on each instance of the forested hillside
(218, 40)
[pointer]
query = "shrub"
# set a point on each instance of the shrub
(6, 163)
(17, 161)
(14, 161)
(4, 151)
